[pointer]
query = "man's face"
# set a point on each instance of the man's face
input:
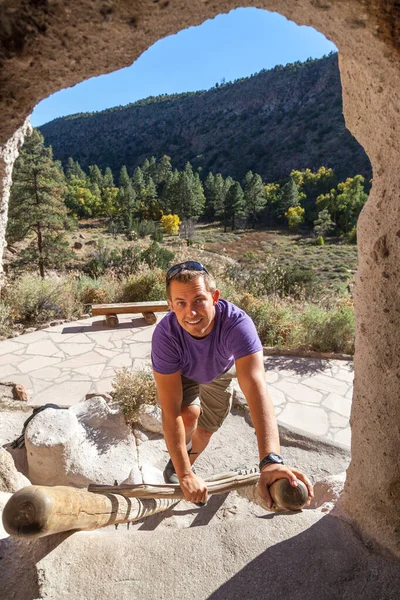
(193, 306)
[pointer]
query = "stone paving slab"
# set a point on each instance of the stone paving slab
(319, 402)
(62, 364)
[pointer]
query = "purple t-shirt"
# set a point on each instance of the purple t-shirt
(203, 359)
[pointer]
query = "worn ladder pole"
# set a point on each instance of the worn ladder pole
(37, 511)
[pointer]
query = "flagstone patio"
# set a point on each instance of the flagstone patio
(62, 364)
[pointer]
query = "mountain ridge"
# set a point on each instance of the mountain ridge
(271, 122)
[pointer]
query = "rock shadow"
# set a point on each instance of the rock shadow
(19, 573)
(327, 561)
(19, 457)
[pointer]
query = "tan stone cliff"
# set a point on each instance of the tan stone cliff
(47, 46)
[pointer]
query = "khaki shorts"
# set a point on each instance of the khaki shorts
(214, 399)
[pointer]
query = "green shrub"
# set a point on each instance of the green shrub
(32, 299)
(101, 259)
(319, 241)
(97, 291)
(274, 279)
(273, 322)
(146, 286)
(144, 228)
(157, 235)
(121, 262)
(326, 330)
(157, 256)
(297, 280)
(6, 320)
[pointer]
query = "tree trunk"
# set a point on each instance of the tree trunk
(40, 248)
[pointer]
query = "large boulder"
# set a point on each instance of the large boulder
(88, 443)
(11, 480)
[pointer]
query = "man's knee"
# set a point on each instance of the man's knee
(190, 414)
(204, 434)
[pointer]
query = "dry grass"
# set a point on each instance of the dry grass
(334, 263)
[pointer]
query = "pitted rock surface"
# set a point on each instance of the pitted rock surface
(41, 43)
(88, 443)
(11, 480)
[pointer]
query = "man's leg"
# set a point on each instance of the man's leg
(190, 416)
(216, 402)
(190, 407)
(200, 440)
(190, 412)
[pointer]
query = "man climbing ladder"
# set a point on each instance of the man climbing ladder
(194, 350)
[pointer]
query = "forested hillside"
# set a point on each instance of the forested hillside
(271, 123)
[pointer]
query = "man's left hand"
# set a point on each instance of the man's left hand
(273, 472)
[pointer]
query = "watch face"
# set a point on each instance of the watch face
(276, 457)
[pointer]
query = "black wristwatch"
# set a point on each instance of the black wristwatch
(271, 459)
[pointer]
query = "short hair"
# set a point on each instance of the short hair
(186, 276)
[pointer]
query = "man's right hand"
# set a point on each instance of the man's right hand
(194, 488)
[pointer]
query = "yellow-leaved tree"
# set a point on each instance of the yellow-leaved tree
(295, 216)
(170, 224)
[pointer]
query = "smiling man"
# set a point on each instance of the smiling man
(195, 349)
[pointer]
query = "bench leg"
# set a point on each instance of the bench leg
(111, 320)
(150, 318)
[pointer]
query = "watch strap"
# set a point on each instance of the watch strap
(271, 459)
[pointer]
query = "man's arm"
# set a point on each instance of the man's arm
(251, 377)
(169, 391)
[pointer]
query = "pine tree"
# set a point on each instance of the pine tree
(150, 171)
(126, 199)
(149, 207)
(73, 171)
(95, 177)
(288, 198)
(139, 185)
(223, 210)
(254, 197)
(108, 179)
(235, 202)
(37, 205)
(323, 224)
(161, 174)
(247, 179)
(189, 195)
(219, 194)
(145, 168)
(137, 179)
(209, 185)
(168, 199)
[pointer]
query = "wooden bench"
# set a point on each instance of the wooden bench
(146, 308)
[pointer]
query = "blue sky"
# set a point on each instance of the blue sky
(230, 46)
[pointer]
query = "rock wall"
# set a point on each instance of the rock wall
(8, 155)
(48, 46)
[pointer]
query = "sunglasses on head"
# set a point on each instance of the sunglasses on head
(184, 266)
